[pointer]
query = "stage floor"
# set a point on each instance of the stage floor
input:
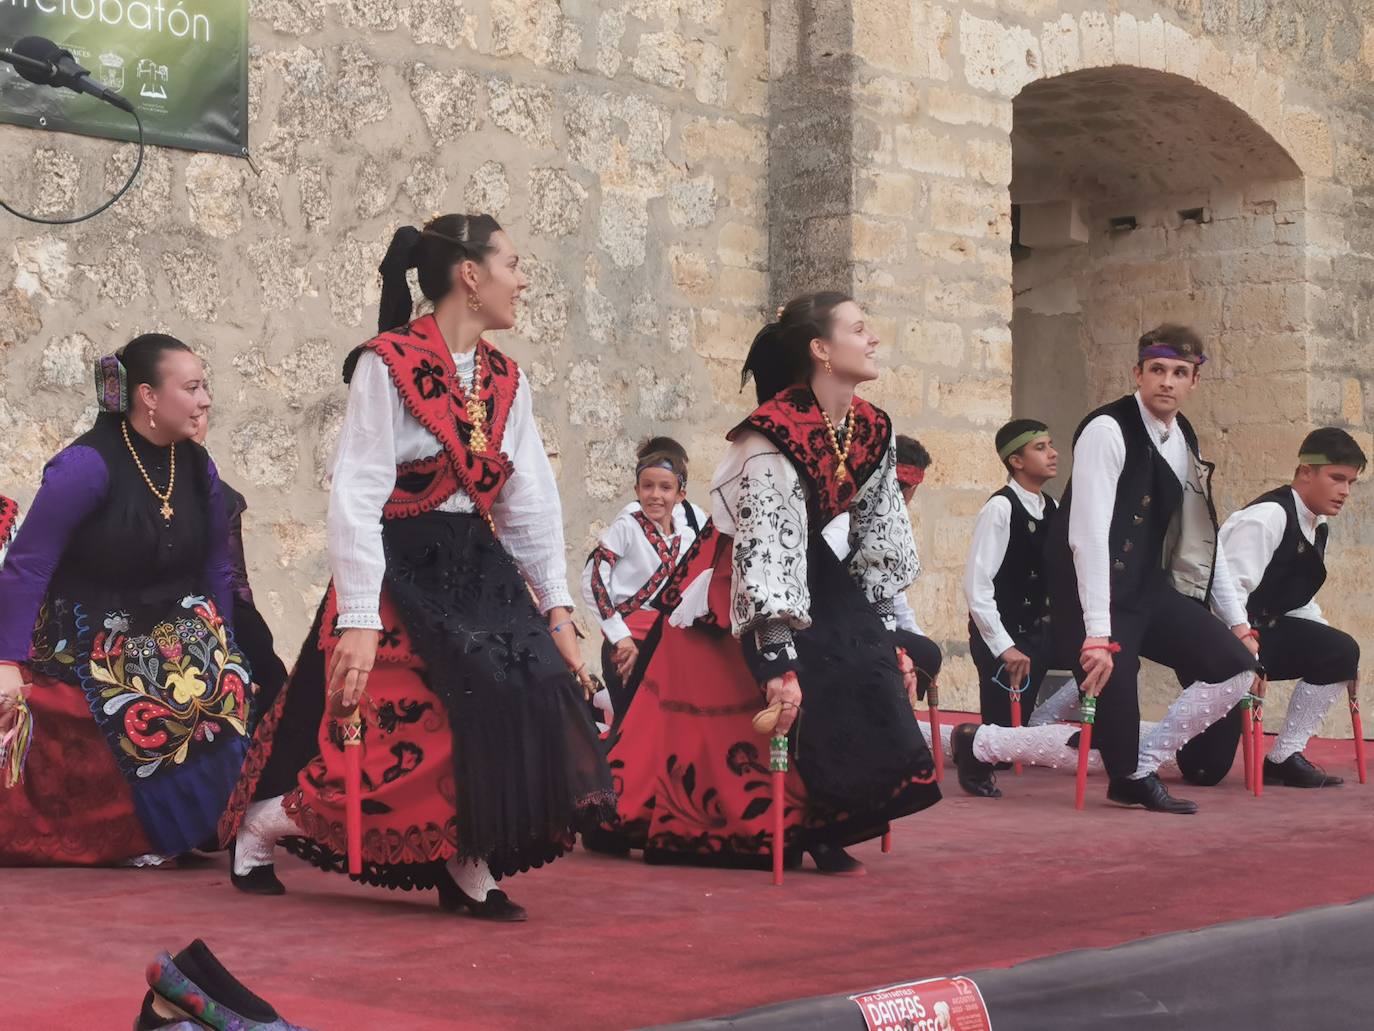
(617, 944)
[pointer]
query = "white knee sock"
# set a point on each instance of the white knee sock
(1062, 705)
(1038, 746)
(1196, 709)
(264, 824)
(473, 876)
(1305, 714)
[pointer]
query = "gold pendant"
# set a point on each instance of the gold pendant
(167, 511)
(843, 474)
(478, 441)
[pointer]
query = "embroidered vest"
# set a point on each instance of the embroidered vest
(793, 421)
(1296, 571)
(664, 547)
(423, 372)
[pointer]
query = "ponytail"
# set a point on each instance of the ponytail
(445, 241)
(780, 356)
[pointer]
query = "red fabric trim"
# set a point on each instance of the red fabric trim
(423, 373)
(9, 515)
(436, 481)
(698, 558)
(605, 608)
(794, 422)
(667, 550)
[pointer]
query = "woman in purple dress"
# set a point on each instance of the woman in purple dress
(115, 631)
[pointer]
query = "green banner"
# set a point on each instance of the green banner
(182, 63)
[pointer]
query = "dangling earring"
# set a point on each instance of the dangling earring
(152, 419)
(474, 302)
(828, 369)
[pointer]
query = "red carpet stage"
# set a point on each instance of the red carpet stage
(612, 943)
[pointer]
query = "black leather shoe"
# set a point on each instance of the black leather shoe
(1297, 772)
(831, 859)
(496, 907)
(1149, 792)
(261, 880)
(976, 778)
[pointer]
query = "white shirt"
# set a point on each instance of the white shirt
(836, 534)
(1252, 535)
(991, 535)
(637, 560)
(377, 435)
(1098, 458)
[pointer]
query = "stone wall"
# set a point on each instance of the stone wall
(673, 168)
(623, 145)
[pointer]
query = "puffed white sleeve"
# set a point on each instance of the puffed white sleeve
(363, 478)
(1098, 458)
(882, 546)
(528, 513)
(991, 536)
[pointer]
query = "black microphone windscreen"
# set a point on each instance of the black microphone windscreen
(38, 49)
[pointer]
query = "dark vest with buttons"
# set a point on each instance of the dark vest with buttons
(1019, 585)
(1148, 496)
(1297, 570)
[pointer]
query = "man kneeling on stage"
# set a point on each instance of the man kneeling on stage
(1276, 548)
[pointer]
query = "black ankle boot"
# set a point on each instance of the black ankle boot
(835, 861)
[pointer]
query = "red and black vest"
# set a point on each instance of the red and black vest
(794, 422)
(423, 372)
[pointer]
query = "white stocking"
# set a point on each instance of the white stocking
(473, 876)
(264, 824)
(1196, 709)
(1060, 706)
(1038, 746)
(946, 729)
(1305, 714)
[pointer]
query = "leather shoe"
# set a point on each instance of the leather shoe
(830, 859)
(1149, 792)
(1297, 772)
(496, 907)
(260, 880)
(975, 777)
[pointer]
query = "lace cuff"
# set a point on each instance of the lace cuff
(887, 612)
(770, 651)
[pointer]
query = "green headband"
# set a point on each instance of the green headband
(1315, 458)
(1019, 441)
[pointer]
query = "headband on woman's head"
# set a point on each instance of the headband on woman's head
(111, 384)
(658, 462)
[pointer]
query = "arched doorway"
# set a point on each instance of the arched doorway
(1140, 197)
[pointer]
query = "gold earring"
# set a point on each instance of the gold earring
(474, 302)
(828, 369)
(152, 419)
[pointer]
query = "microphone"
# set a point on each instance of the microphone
(43, 62)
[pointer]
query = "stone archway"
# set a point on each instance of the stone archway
(1142, 197)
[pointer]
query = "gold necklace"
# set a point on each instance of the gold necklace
(841, 453)
(164, 497)
(477, 411)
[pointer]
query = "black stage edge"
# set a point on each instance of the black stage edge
(1312, 970)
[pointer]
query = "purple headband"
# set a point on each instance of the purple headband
(662, 463)
(111, 384)
(1165, 351)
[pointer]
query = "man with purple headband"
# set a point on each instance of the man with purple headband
(1133, 564)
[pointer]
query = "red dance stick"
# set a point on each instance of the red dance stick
(1016, 722)
(1088, 715)
(1261, 685)
(937, 749)
(352, 727)
(887, 842)
(777, 763)
(1247, 741)
(1357, 726)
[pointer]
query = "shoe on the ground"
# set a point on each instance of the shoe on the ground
(1149, 792)
(195, 986)
(1298, 772)
(835, 861)
(496, 907)
(975, 777)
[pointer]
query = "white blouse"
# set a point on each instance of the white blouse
(637, 560)
(1252, 535)
(758, 499)
(1098, 459)
(377, 435)
(836, 534)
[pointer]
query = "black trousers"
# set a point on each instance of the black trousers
(924, 655)
(1165, 627)
(994, 699)
(1292, 648)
